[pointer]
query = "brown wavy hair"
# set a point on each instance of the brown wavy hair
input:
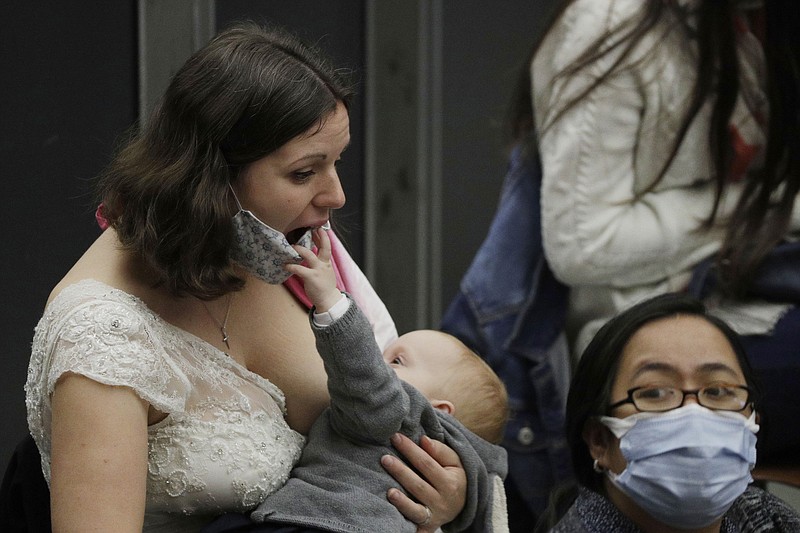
(765, 207)
(241, 97)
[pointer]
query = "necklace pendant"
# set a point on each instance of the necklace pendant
(223, 327)
(224, 332)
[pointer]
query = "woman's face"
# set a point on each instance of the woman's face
(297, 185)
(685, 352)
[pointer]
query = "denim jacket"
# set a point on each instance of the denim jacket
(511, 310)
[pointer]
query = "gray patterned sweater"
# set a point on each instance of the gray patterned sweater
(755, 511)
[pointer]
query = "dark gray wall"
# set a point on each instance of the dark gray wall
(485, 45)
(68, 90)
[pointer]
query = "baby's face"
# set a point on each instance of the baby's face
(423, 358)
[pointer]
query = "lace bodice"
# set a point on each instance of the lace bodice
(224, 445)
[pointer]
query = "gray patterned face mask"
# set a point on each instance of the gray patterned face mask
(262, 250)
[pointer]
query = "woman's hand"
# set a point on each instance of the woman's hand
(440, 493)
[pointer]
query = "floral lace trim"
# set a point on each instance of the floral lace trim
(217, 450)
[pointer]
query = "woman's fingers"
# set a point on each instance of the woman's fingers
(415, 485)
(444, 455)
(414, 512)
(440, 485)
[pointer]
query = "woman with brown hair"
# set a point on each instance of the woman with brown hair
(173, 374)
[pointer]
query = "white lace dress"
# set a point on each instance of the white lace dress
(225, 444)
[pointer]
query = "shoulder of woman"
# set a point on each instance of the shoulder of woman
(583, 26)
(109, 336)
(107, 262)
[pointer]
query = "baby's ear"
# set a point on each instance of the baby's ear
(444, 405)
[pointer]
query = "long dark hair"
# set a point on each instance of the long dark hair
(241, 97)
(764, 212)
(590, 389)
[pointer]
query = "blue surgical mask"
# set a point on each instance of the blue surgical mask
(686, 466)
(262, 250)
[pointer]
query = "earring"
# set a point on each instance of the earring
(596, 467)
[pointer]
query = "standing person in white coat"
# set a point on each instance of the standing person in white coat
(669, 140)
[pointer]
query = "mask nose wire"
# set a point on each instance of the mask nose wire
(235, 197)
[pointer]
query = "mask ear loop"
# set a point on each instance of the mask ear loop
(235, 197)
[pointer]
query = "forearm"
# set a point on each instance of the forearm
(588, 242)
(367, 399)
(99, 457)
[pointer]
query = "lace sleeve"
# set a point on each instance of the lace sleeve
(111, 342)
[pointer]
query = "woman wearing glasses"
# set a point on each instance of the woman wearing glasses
(661, 423)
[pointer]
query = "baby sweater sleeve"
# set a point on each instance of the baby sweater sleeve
(368, 402)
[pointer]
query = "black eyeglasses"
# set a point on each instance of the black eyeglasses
(719, 396)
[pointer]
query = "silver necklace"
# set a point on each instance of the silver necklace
(223, 327)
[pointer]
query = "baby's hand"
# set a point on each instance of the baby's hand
(317, 272)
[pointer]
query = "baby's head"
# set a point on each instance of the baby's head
(453, 378)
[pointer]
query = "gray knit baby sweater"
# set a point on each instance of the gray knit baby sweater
(338, 484)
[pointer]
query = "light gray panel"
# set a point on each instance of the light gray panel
(395, 167)
(440, 76)
(169, 32)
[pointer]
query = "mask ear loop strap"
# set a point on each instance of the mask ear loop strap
(235, 197)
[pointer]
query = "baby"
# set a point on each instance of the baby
(425, 383)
